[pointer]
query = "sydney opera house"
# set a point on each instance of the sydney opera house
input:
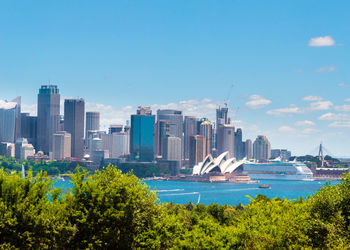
(223, 164)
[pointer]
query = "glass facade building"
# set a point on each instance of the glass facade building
(142, 136)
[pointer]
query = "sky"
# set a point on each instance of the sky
(282, 66)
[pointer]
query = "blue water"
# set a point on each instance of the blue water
(226, 193)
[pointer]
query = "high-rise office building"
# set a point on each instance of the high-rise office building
(142, 135)
(239, 147)
(206, 132)
(175, 119)
(284, 154)
(8, 121)
(74, 113)
(48, 116)
(225, 139)
(18, 100)
(221, 116)
(261, 148)
(92, 122)
(161, 133)
(189, 130)
(248, 149)
(115, 128)
(172, 148)
(121, 144)
(61, 145)
(196, 149)
(29, 128)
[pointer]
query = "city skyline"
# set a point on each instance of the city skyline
(288, 68)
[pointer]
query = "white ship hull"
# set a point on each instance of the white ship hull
(280, 177)
(277, 170)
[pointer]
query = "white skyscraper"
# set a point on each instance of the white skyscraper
(121, 144)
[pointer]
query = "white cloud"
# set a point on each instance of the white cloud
(321, 105)
(310, 131)
(339, 124)
(347, 100)
(312, 98)
(285, 111)
(257, 102)
(334, 117)
(321, 41)
(286, 129)
(325, 69)
(344, 85)
(7, 105)
(305, 123)
(31, 109)
(343, 108)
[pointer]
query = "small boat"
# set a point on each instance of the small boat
(264, 186)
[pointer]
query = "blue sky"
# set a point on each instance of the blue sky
(186, 54)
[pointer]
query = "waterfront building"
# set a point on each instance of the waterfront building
(29, 128)
(121, 144)
(284, 154)
(225, 139)
(74, 113)
(142, 135)
(48, 116)
(23, 149)
(61, 145)
(196, 149)
(206, 132)
(261, 148)
(8, 121)
(248, 149)
(92, 122)
(239, 147)
(189, 130)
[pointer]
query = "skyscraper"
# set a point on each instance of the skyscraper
(92, 122)
(29, 128)
(74, 113)
(196, 149)
(189, 130)
(161, 133)
(261, 148)
(206, 131)
(225, 139)
(141, 135)
(61, 145)
(175, 119)
(239, 148)
(8, 121)
(248, 149)
(172, 149)
(121, 144)
(221, 116)
(48, 116)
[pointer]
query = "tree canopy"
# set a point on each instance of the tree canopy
(109, 209)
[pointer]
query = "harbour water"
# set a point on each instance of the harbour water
(226, 193)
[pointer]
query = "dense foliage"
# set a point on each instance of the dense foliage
(113, 210)
(51, 168)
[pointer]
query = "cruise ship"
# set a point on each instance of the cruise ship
(278, 170)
